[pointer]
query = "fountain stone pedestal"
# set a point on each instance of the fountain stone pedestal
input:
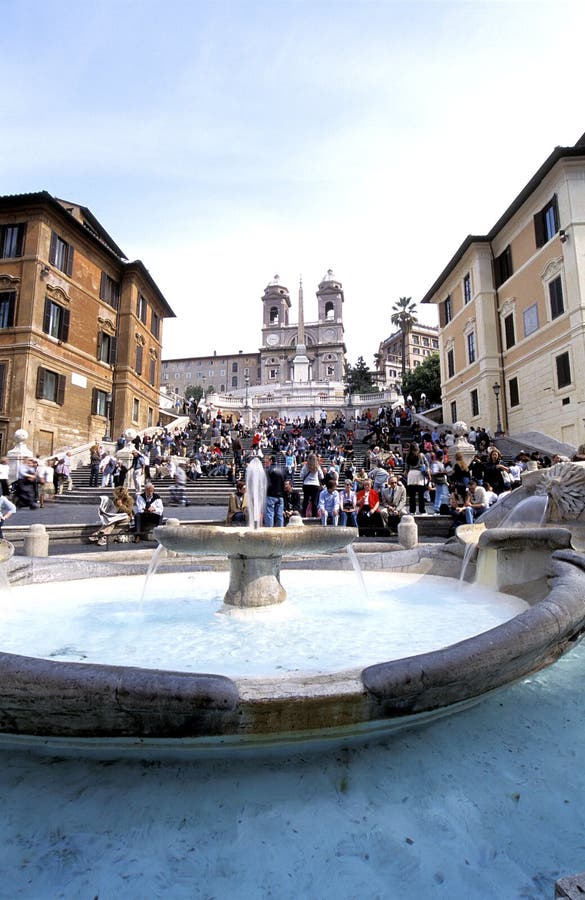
(254, 555)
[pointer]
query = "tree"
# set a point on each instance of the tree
(359, 378)
(424, 379)
(195, 391)
(404, 317)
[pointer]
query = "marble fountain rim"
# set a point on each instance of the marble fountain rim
(46, 704)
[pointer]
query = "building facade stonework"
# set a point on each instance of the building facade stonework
(512, 311)
(323, 337)
(80, 327)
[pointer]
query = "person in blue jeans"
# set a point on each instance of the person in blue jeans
(274, 508)
(348, 502)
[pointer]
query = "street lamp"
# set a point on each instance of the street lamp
(496, 389)
(247, 383)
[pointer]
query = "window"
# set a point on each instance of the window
(467, 288)
(329, 311)
(453, 410)
(99, 403)
(155, 324)
(109, 290)
(513, 392)
(141, 308)
(152, 372)
(546, 222)
(446, 311)
(135, 409)
(415, 339)
(563, 370)
(273, 316)
(61, 254)
(150, 417)
(106, 348)
(50, 386)
(435, 343)
(425, 342)
(56, 320)
(234, 367)
(555, 292)
(3, 374)
(138, 363)
(509, 331)
(11, 241)
(450, 363)
(273, 373)
(234, 381)
(503, 268)
(474, 403)
(530, 320)
(471, 347)
(7, 307)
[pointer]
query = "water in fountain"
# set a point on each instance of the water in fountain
(529, 512)
(256, 490)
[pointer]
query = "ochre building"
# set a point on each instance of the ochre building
(80, 328)
(512, 311)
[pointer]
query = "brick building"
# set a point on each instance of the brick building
(80, 327)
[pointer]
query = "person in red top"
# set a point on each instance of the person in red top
(368, 501)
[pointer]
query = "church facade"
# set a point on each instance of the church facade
(323, 339)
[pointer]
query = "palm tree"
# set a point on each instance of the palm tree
(404, 317)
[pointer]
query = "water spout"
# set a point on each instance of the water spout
(256, 490)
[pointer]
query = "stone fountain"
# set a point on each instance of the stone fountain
(121, 709)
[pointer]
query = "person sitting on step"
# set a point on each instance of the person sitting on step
(148, 512)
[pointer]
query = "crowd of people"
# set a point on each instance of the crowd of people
(393, 477)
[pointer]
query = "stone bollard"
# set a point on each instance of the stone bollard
(408, 532)
(36, 541)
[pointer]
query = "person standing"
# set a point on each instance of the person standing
(311, 477)
(416, 479)
(95, 458)
(348, 501)
(7, 508)
(274, 509)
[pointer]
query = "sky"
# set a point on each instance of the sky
(225, 142)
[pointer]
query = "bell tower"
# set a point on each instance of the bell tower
(276, 301)
(330, 299)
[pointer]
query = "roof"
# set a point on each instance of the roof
(558, 153)
(81, 218)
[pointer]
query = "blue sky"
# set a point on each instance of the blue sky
(224, 142)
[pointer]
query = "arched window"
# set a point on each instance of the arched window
(274, 315)
(329, 311)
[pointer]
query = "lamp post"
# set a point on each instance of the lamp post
(496, 389)
(247, 383)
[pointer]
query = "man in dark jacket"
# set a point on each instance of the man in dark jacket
(274, 509)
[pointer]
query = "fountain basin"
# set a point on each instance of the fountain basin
(124, 709)
(254, 555)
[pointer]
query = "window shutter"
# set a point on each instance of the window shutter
(64, 330)
(40, 382)
(139, 360)
(47, 316)
(442, 316)
(94, 396)
(555, 206)
(539, 230)
(61, 389)
(69, 263)
(2, 386)
(113, 351)
(53, 248)
(103, 286)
